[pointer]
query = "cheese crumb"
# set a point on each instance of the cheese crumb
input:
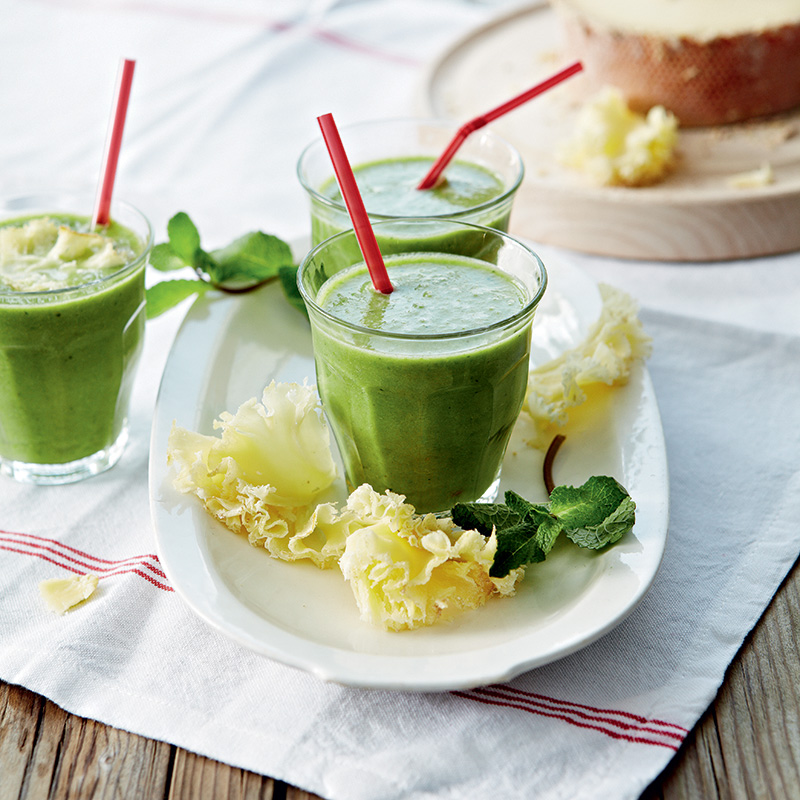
(615, 146)
(62, 594)
(763, 176)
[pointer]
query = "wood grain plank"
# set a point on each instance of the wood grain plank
(97, 762)
(47, 753)
(293, 793)
(31, 730)
(197, 778)
(747, 745)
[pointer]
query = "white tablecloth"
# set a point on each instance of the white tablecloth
(225, 96)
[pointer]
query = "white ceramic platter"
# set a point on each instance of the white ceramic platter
(230, 347)
(694, 215)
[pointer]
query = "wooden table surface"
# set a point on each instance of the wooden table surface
(746, 745)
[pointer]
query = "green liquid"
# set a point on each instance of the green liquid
(67, 361)
(429, 419)
(388, 187)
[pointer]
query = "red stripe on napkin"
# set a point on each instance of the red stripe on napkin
(145, 566)
(359, 47)
(616, 724)
(257, 20)
(625, 714)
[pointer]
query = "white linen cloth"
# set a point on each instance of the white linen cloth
(225, 96)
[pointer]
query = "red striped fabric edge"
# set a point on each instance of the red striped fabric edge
(257, 20)
(617, 724)
(146, 566)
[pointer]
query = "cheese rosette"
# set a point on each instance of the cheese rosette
(263, 474)
(615, 146)
(615, 341)
(408, 571)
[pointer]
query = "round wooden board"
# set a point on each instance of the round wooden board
(693, 215)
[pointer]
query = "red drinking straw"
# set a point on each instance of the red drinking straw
(113, 143)
(484, 119)
(355, 205)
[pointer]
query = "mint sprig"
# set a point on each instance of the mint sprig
(594, 515)
(244, 264)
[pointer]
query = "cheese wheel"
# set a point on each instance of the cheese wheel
(709, 62)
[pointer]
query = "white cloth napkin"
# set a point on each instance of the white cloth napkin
(136, 658)
(225, 96)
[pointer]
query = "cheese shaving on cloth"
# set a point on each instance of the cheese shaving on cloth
(62, 594)
(615, 146)
(613, 344)
(263, 474)
(408, 571)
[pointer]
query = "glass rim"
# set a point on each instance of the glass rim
(528, 309)
(441, 123)
(44, 199)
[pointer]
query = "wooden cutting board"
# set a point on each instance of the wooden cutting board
(694, 215)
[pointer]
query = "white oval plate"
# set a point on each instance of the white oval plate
(229, 347)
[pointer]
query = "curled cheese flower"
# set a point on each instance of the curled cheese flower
(408, 571)
(615, 146)
(613, 344)
(265, 471)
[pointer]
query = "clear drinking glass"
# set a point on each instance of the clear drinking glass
(68, 356)
(483, 177)
(426, 415)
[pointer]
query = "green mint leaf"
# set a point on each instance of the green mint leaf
(164, 295)
(543, 526)
(205, 265)
(609, 531)
(525, 531)
(594, 515)
(183, 237)
(164, 259)
(253, 258)
(484, 517)
(588, 505)
(288, 278)
(527, 542)
(547, 531)
(520, 505)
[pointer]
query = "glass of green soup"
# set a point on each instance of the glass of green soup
(72, 324)
(391, 157)
(422, 386)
